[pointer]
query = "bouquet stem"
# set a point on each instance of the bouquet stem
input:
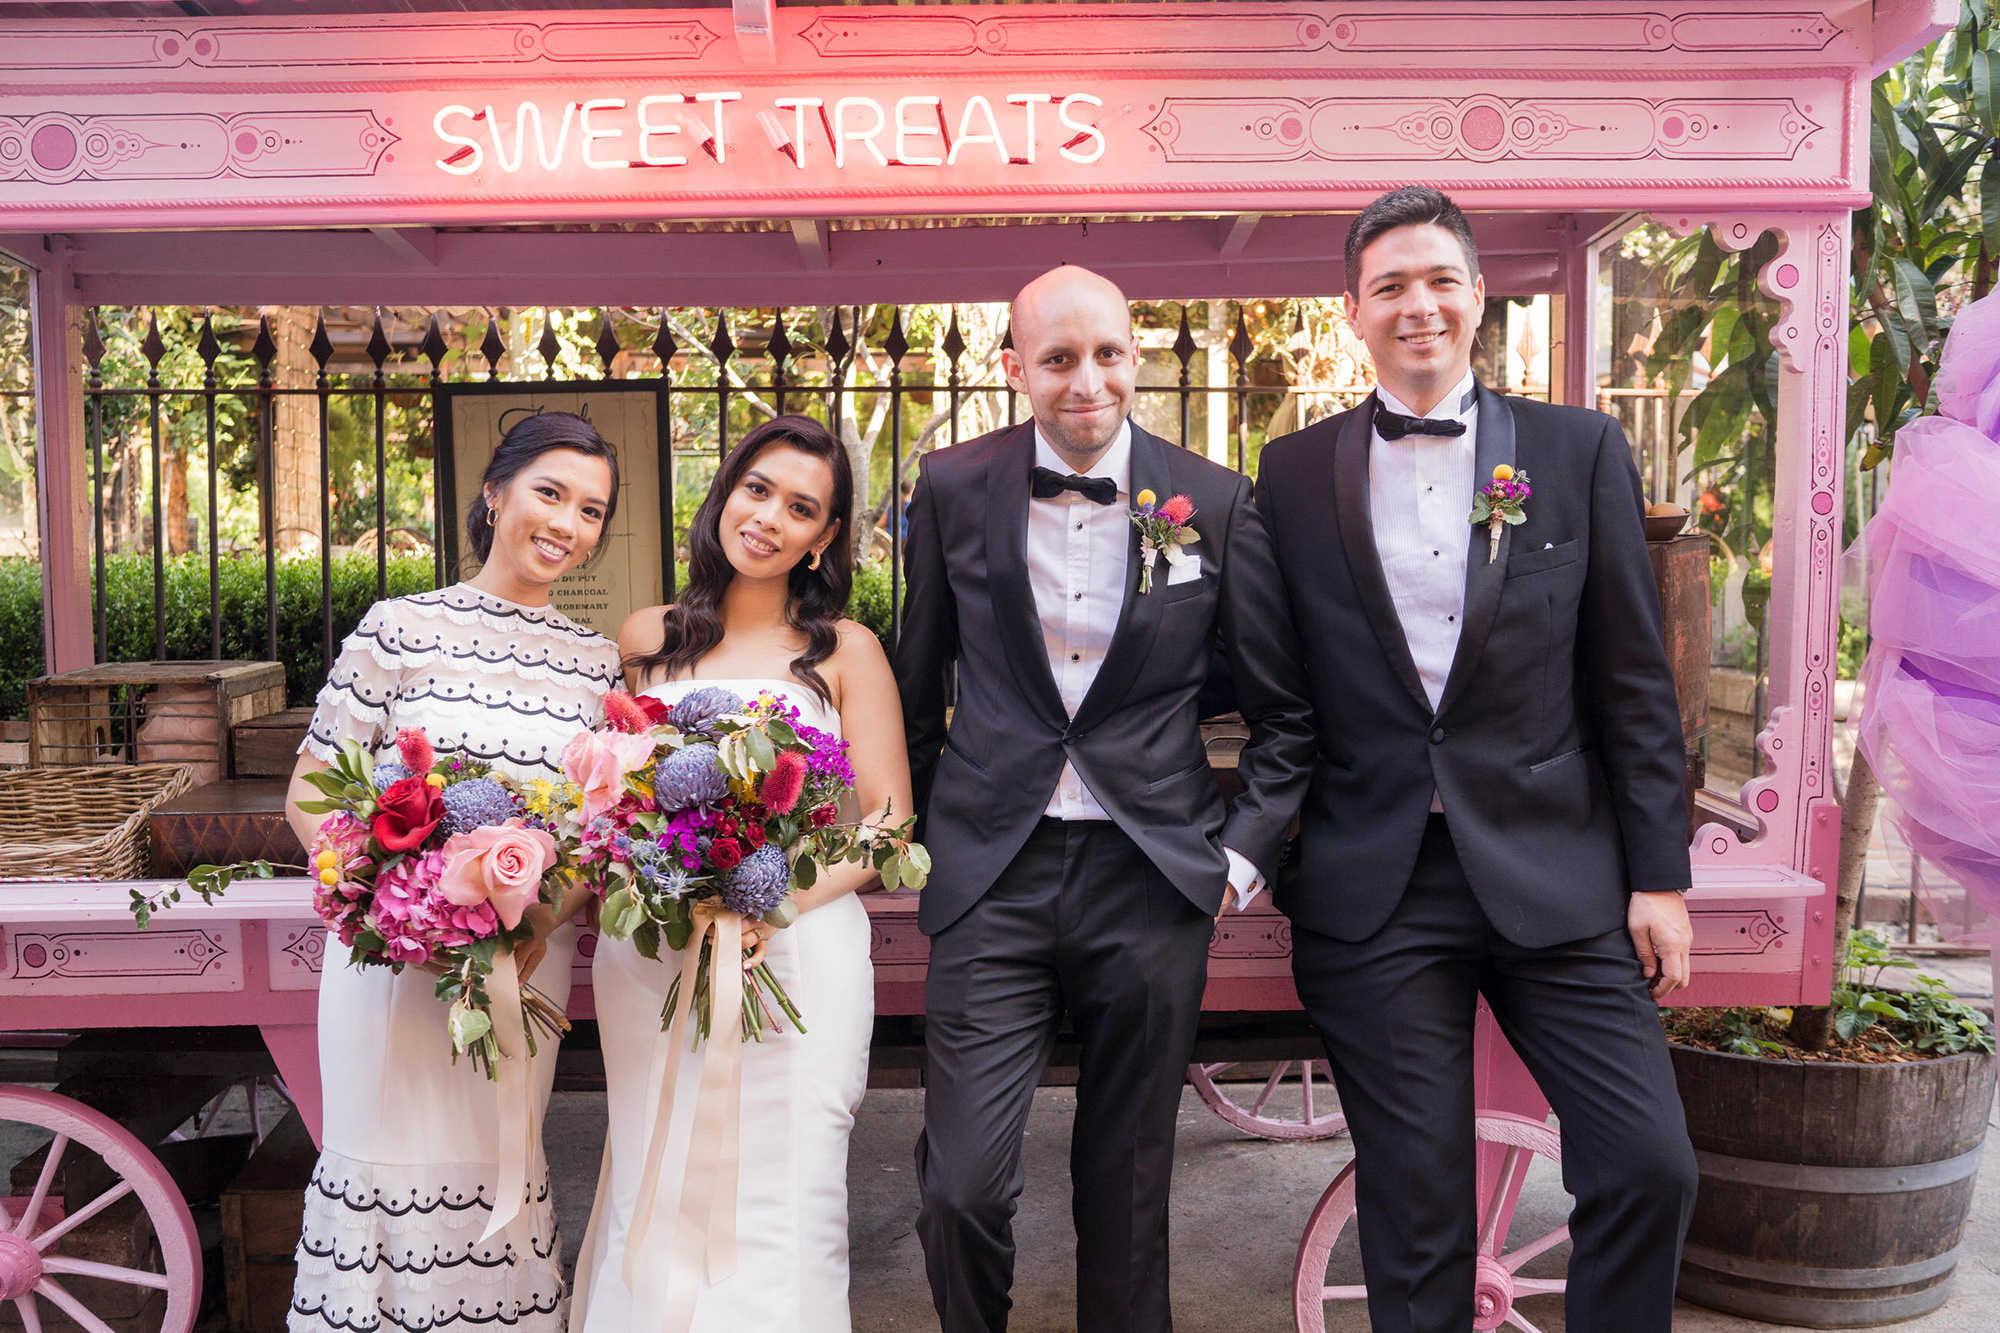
(759, 985)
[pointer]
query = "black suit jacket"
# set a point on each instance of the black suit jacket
(1556, 746)
(1135, 739)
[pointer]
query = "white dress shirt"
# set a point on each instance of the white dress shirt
(1420, 492)
(1079, 555)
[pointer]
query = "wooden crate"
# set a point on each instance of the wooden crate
(263, 1210)
(150, 712)
(268, 746)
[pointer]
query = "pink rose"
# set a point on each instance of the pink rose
(598, 762)
(502, 864)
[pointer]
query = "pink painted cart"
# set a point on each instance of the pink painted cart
(354, 157)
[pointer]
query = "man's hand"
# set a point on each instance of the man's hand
(1662, 935)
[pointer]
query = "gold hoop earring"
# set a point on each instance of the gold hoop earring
(814, 562)
(492, 519)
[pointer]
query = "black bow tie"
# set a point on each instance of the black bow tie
(1394, 425)
(1102, 490)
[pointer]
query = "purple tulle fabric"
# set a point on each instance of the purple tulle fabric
(1930, 717)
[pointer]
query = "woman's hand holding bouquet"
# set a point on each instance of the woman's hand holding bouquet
(428, 862)
(715, 805)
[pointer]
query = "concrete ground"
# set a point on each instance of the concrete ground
(1240, 1206)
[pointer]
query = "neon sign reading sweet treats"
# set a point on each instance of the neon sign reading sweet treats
(814, 133)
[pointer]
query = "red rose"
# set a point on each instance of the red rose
(754, 834)
(725, 825)
(823, 816)
(406, 814)
(655, 711)
(1177, 510)
(727, 853)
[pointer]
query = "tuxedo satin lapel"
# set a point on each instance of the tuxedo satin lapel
(1018, 623)
(1357, 539)
(1138, 616)
(1484, 579)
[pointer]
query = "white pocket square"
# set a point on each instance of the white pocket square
(1186, 572)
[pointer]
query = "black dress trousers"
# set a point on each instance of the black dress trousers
(1080, 923)
(1396, 1012)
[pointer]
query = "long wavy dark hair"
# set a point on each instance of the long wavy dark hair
(692, 626)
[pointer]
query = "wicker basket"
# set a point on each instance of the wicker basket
(82, 823)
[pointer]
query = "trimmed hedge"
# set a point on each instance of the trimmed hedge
(128, 587)
(129, 620)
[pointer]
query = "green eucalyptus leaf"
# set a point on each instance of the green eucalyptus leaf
(620, 915)
(646, 939)
(467, 1027)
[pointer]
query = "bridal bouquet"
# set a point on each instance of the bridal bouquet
(427, 862)
(714, 805)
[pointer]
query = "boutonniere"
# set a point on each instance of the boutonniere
(1163, 530)
(1499, 501)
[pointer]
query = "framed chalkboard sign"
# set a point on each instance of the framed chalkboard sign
(635, 568)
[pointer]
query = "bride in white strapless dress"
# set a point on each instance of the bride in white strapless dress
(770, 570)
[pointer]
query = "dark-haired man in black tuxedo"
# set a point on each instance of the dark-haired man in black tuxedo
(1497, 809)
(1079, 847)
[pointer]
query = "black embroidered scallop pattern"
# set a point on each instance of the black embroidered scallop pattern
(505, 684)
(400, 1318)
(409, 1257)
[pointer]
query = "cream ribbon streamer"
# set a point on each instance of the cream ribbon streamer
(519, 1135)
(701, 1204)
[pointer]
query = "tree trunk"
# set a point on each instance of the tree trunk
(180, 534)
(1812, 1025)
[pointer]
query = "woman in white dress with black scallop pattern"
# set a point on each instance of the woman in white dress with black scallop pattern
(410, 1158)
(769, 572)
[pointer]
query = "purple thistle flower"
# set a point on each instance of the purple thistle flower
(697, 710)
(689, 778)
(476, 804)
(758, 884)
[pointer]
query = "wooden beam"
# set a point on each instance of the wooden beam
(815, 241)
(61, 482)
(1233, 233)
(414, 245)
(1159, 260)
(1901, 28)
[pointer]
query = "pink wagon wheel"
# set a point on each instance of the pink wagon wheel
(1498, 1284)
(32, 1269)
(1257, 1116)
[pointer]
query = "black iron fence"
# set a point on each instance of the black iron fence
(216, 399)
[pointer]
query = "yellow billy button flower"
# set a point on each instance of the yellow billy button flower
(1502, 472)
(1145, 497)
(435, 779)
(326, 860)
(329, 877)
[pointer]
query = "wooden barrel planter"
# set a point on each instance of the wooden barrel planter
(1832, 1195)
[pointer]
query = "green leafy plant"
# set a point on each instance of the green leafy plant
(1930, 1018)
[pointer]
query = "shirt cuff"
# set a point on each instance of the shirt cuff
(1244, 878)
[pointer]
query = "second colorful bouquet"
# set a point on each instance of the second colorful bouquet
(714, 805)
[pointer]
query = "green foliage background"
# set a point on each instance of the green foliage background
(129, 622)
